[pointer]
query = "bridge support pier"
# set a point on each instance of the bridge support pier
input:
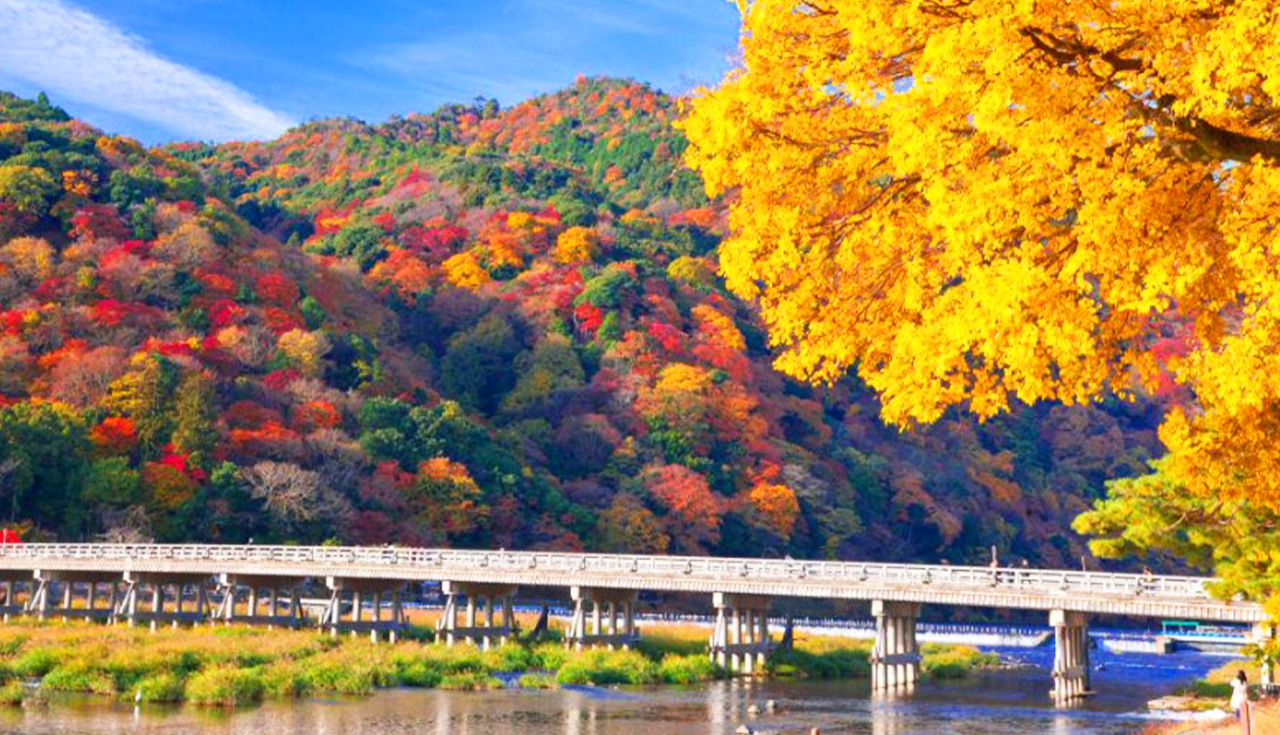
(157, 581)
(1070, 655)
(740, 637)
(9, 581)
(45, 591)
(479, 599)
(358, 587)
(618, 606)
(232, 583)
(895, 656)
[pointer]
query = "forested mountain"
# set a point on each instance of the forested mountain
(474, 327)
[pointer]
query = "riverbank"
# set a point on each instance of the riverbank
(1212, 693)
(1266, 721)
(230, 666)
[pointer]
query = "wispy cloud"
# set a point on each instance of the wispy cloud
(514, 48)
(76, 55)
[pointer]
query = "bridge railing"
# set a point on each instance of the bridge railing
(431, 561)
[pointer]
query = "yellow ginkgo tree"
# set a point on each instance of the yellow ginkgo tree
(970, 203)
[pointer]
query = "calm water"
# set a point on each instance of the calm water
(994, 703)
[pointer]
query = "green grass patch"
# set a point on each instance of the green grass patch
(164, 688)
(13, 693)
(602, 668)
(36, 663)
(285, 680)
(838, 663)
(225, 686)
(1208, 689)
(688, 669)
(537, 680)
(469, 682)
(79, 676)
(953, 662)
(421, 673)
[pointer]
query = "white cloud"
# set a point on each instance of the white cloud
(80, 57)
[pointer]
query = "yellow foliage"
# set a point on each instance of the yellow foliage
(977, 202)
(305, 349)
(463, 270)
(691, 271)
(575, 245)
(30, 258)
(519, 221)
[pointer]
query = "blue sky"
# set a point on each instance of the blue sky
(232, 69)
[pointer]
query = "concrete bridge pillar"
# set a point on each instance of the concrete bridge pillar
(359, 587)
(60, 585)
(480, 601)
(11, 605)
(608, 608)
(253, 584)
(1070, 655)
(127, 606)
(895, 656)
(740, 637)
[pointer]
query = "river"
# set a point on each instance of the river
(1006, 702)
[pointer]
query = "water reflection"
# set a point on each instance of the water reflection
(885, 709)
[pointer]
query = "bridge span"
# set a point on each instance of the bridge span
(603, 587)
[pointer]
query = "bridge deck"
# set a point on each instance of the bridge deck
(1033, 589)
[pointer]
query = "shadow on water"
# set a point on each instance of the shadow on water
(1012, 702)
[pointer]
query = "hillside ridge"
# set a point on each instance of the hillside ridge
(478, 326)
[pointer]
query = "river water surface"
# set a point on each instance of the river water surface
(1012, 702)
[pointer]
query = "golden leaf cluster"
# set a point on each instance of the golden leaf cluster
(975, 201)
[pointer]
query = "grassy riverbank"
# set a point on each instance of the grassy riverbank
(240, 665)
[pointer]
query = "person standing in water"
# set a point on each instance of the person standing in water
(1240, 701)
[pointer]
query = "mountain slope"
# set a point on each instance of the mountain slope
(478, 326)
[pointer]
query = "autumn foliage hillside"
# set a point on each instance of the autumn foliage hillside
(473, 327)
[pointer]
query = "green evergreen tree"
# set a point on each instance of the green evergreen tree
(194, 433)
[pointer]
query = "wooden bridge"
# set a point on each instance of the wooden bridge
(365, 585)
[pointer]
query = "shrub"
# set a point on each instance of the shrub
(13, 693)
(163, 687)
(608, 667)
(510, 658)
(422, 674)
(1209, 690)
(225, 686)
(470, 682)
(688, 669)
(340, 675)
(79, 677)
(460, 660)
(284, 680)
(36, 663)
(10, 646)
(549, 656)
(840, 663)
(953, 662)
(538, 680)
